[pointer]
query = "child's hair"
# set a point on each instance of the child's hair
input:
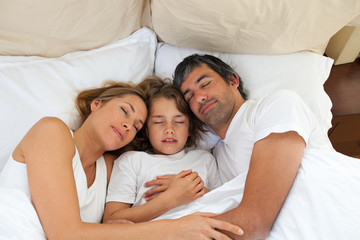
(108, 91)
(155, 87)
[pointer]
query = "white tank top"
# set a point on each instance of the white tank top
(91, 200)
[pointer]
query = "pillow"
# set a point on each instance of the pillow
(302, 72)
(251, 26)
(34, 87)
(54, 28)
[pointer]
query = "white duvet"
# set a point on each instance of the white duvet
(324, 203)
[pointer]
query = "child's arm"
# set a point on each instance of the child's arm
(184, 187)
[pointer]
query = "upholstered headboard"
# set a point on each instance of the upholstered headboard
(53, 28)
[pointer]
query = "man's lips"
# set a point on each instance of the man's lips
(118, 132)
(169, 140)
(207, 106)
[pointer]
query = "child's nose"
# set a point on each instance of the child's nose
(169, 129)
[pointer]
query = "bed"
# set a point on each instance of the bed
(49, 51)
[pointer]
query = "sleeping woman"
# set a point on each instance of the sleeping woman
(55, 180)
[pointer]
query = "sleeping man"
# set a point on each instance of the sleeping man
(279, 173)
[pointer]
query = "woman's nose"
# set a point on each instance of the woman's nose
(127, 126)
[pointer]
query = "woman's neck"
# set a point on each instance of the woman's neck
(85, 143)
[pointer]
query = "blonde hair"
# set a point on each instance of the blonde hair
(108, 91)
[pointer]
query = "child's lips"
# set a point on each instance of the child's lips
(169, 140)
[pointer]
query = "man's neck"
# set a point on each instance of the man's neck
(222, 130)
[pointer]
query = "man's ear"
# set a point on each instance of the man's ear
(234, 80)
(95, 104)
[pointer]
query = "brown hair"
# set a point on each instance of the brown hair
(155, 87)
(108, 91)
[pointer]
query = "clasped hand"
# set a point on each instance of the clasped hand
(183, 187)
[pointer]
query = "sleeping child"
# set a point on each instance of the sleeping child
(171, 130)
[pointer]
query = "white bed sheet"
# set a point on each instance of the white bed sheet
(324, 202)
(18, 220)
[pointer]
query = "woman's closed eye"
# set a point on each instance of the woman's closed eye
(124, 110)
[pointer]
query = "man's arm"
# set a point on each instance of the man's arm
(273, 167)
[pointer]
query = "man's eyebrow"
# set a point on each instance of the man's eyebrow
(196, 82)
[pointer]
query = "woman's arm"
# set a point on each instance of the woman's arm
(273, 167)
(48, 150)
(184, 187)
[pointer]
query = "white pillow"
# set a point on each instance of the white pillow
(34, 87)
(303, 72)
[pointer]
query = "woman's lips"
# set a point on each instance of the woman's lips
(118, 132)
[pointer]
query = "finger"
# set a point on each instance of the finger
(154, 190)
(154, 182)
(214, 223)
(199, 193)
(151, 197)
(193, 175)
(205, 214)
(196, 181)
(184, 173)
(163, 177)
(214, 234)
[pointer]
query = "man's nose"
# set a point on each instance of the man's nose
(200, 97)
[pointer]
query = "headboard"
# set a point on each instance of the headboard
(54, 28)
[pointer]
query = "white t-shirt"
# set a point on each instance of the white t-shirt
(133, 169)
(279, 111)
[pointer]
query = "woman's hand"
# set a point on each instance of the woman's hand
(183, 187)
(202, 226)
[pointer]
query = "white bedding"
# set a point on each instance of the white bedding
(318, 207)
(322, 204)
(18, 219)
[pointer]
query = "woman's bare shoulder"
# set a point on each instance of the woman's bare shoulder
(47, 131)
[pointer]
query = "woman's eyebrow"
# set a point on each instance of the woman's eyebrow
(133, 110)
(131, 106)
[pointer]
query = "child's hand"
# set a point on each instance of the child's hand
(161, 184)
(180, 188)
